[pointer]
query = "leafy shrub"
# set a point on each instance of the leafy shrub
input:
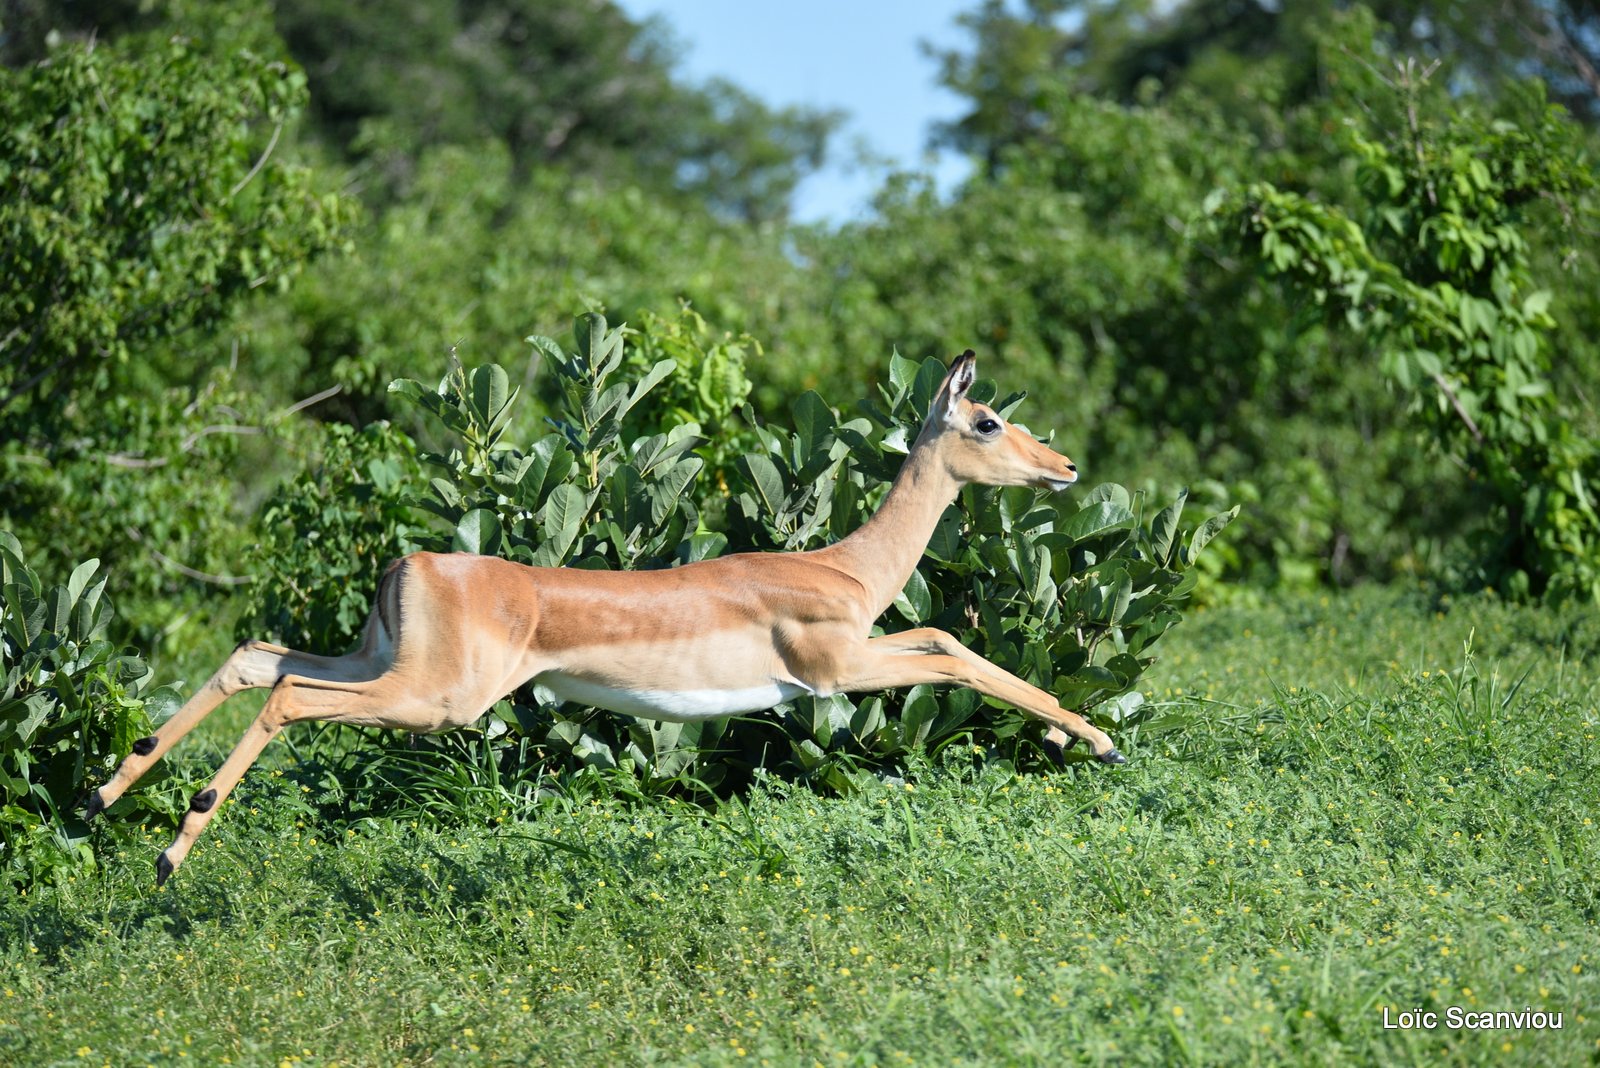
(138, 198)
(1068, 596)
(325, 537)
(148, 485)
(1433, 271)
(71, 707)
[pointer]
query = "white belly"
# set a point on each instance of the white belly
(682, 706)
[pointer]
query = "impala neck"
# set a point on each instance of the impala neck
(885, 550)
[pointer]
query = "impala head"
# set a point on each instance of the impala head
(978, 445)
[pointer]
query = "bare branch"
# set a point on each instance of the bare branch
(130, 460)
(262, 162)
(1556, 41)
(183, 569)
(1455, 402)
(123, 459)
(315, 398)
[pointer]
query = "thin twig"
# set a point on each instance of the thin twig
(1557, 40)
(123, 459)
(129, 460)
(183, 569)
(1455, 402)
(261, 162)
(315, 398)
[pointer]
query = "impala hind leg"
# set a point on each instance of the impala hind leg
(252, 665)
(380, 702)
(929, 655)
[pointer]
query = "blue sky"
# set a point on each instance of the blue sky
(860, 56)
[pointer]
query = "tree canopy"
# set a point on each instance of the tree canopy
(1333, 262)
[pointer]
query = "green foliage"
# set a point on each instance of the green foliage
(584, 493)
(1083, 253)
(145, 189)
(325, 536)
(708, 386)
(981, 917)
(577, 83)
(1076, 263)
(139, 198)
(455, 244)
(1433, 271)
(148, 485)
(1069, 597)
(71, 706)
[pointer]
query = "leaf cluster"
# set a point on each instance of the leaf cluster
(1433, 269)
(324, 537)
(140, 198)
(71, 705)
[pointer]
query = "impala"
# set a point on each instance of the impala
(449, 635)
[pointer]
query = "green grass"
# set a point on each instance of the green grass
(1360, 814)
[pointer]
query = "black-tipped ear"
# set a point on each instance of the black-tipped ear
(959, 379)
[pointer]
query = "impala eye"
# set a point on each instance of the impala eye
(987, 427)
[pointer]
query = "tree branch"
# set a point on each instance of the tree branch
(1455, 402)
(183, 569)
(261, 162)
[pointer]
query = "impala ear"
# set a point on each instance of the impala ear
(959, 379)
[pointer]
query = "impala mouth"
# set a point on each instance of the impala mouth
(1056, 485)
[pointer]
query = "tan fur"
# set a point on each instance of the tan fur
(451, 634)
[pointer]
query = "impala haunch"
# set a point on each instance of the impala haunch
(449, 635)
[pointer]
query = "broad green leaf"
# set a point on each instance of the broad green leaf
(914, 601)
(162, 704)
(651, 379)
(37, 708)
(80, 579)
(563, 517)
(1164, 529)
(902, 373)
(813, 422)
(1208, 530)
(1097, 519)
(59, 611)
(13, 568)
(599, 348)
(477, 532)
(1119, 709)
(1119, 592)
(1108, 491)
(763, 477)
(546, 347)
(490, 393)
(929, 377)
(705, 545)
(946, 544)
(666, 491)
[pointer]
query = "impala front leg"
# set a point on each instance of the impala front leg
(933, 656)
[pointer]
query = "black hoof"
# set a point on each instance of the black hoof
(1111, 756)
(202, 801)
(94, 807)
(145, 746)
(163, 869)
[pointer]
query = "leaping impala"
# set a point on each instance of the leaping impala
(450, 635)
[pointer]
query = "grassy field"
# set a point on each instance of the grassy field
(1378, 803)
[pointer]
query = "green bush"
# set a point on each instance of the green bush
(71, 707)
(324, 537)
(1070, 596)
(1432, 271)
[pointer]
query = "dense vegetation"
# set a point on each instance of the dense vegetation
(266, 272)
(1408, 823)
